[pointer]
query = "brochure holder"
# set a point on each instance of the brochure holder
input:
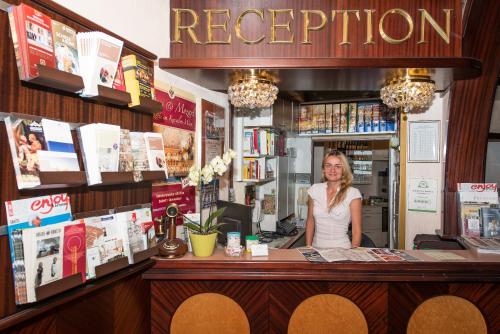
(145, 254)
(61, 179)
(54, 288)
(96, 213)
(148, 106)
(154, 175)
(111, 96)
(60, 80)
(111, 266)
(116, 178)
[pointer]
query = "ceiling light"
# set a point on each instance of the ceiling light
(253, 89)
(412, 91)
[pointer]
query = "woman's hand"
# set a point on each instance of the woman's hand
(355, 208)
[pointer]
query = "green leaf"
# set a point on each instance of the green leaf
(193, 227)
(214, 215)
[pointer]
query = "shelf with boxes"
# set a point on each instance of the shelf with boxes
(346, 118)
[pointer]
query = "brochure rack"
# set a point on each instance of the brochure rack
(147, 105)
(50, 180)
(112, 266)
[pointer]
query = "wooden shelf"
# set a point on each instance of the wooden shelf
(111, 266)
(259, 181)
(50, 180)
(145, 254)
(54, 288)
(154, 175)
(96, 213)
(148, 106)
(60, 80)
(111, 96)
(109, 178)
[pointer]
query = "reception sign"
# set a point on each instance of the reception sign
(315, 28)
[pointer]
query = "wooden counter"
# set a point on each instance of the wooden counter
(386, 292)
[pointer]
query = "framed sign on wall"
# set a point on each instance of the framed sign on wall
(424, 141)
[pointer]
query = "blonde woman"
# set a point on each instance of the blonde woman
(332, 205)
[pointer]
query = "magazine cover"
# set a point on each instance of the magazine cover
(74, 250)
(65, 49)
(108, 147)
(29, 213)
(155, 152)
(34, 37)
(60, 154)
(177, 124)
(139, 154)
(42, 257)
(490, 222)
(138, 76)
(104, 241)
(126, 163)
(26, 138)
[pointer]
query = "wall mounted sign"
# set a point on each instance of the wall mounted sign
(424, 141)
(422, 195)
(358, 28)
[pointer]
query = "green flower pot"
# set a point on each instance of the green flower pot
(203, 245)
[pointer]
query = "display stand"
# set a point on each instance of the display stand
(111, 96)
(109, 178)
(145, 254)
(51, 289)
(60, 80)
(148, 106)
(156, 175)
(111, 266)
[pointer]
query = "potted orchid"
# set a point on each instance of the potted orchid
(203, 234)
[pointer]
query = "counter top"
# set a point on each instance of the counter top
(289, 264)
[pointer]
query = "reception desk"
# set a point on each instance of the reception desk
(269, 290)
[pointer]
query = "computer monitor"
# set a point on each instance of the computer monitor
(236, 218)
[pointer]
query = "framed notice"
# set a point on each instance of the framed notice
(422, 195)
(423, 141)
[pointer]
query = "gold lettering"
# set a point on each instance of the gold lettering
(369, 26)
(237, 27)
(307, 22)
(345, 22)
(274, 26)
(190, 28)
(425, 16)
(406, 16)
(211, 26)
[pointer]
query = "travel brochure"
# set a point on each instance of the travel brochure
(359, 254)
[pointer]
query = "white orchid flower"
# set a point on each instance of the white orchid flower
(207, 174)
(232, 154)
(220, 168)
(215, 161)
(226, 158)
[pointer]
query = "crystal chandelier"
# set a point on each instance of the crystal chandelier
(413, 91)
(254, 89)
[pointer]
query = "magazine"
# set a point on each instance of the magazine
(28, 213)
(60, 154)
(65, 49)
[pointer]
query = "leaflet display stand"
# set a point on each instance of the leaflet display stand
(145, 254)
(61, 179)
(154, 175)
(109, 178)
(60, 80)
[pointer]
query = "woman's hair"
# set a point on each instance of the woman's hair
(346, 180)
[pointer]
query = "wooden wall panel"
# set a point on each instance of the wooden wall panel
(325, 43)
(404, 298)
(166, 296)
(21, 97)
(471, 103)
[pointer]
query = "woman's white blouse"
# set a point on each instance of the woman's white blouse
(330, 229)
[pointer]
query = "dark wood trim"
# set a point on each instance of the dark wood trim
(494, 136)
(66, 298)
(294, 270)
(471, 105)
(63, 11)
(463, 67)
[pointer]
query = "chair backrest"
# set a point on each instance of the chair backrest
(365, 240)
